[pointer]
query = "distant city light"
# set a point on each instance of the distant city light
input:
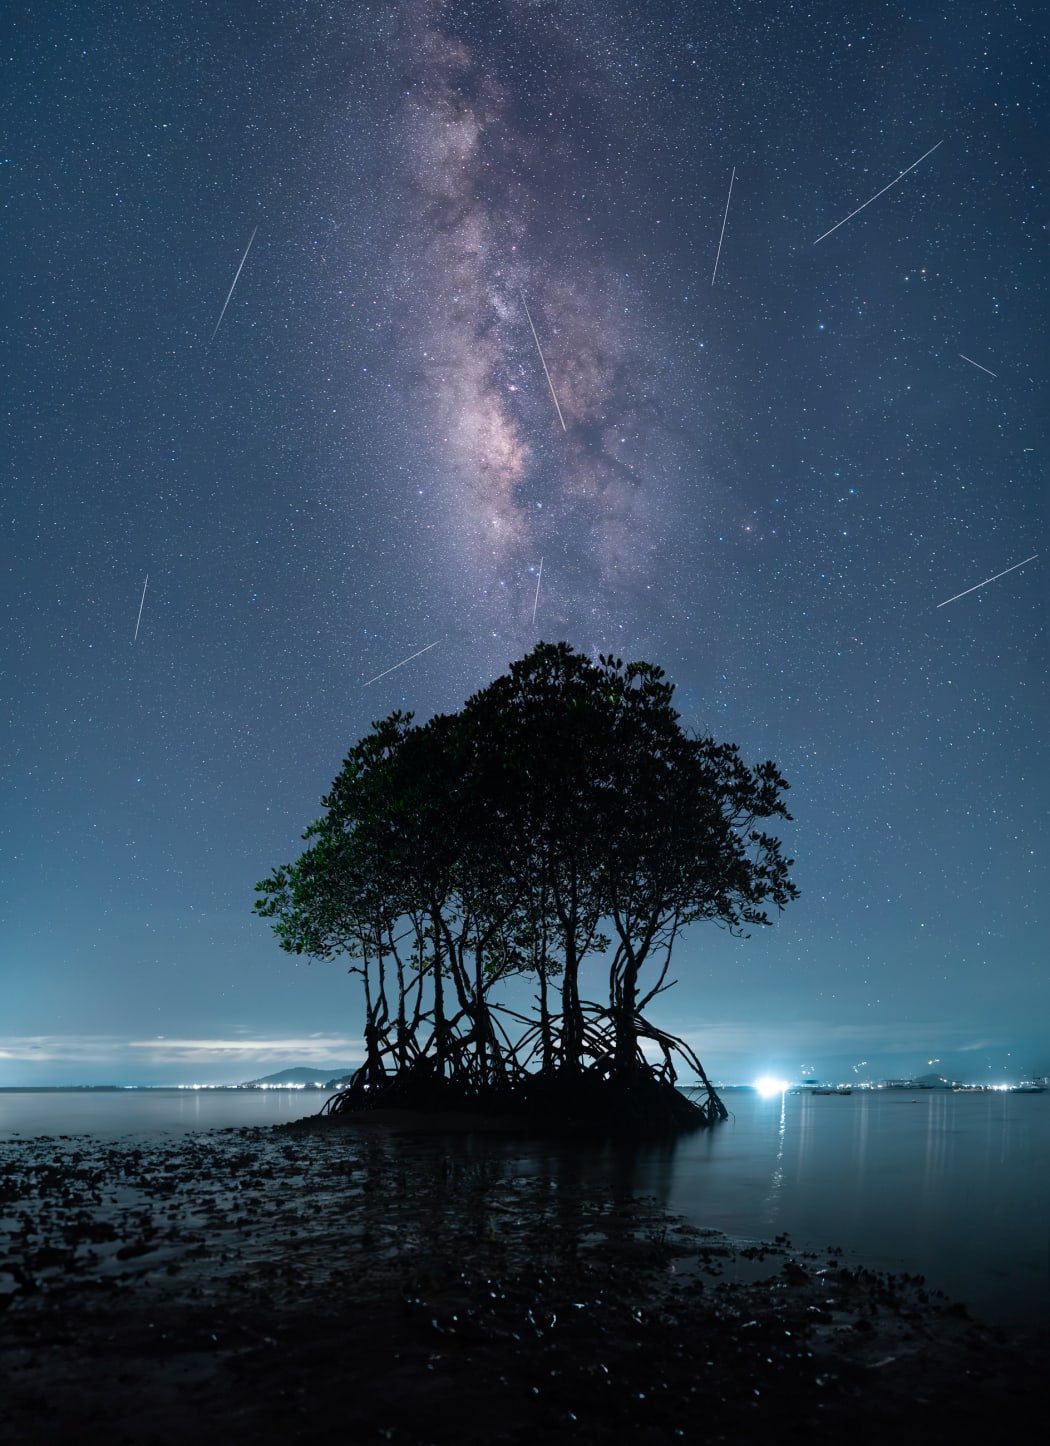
(767, 1086)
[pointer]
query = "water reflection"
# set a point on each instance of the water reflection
(935, 1158)
(771, 1209)
(625, 1168)
(803, 1132)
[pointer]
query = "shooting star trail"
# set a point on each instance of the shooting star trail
(987, 580)
(725, 218)
(977, 364)
(401, 664)
(138, 620)
(546, 373)
(536, 599)
(240, 268)
(879, 193)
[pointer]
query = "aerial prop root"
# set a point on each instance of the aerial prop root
(451, 1072)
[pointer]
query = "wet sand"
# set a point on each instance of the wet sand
(388, 1279)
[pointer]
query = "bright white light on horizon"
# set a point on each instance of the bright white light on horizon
(767, 1086)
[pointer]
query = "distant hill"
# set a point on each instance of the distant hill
(303, 1075)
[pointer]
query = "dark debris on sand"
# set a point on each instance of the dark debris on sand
(268, 1285)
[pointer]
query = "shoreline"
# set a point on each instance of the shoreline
(380, 1276)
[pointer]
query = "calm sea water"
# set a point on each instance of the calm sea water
(113, 1115)
(955, 1187)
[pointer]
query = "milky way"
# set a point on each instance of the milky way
(493, 194)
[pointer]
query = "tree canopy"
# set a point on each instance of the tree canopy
(563, 815)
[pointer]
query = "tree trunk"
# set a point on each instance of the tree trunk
(572, 1014)
(623, 1011)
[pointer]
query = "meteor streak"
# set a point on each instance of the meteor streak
(987, 580)
(725, 218)
(240, 268)
(879, 193)
(546, 373)
(536, 599)
(141, 603)
(401, 664)
(976, 364)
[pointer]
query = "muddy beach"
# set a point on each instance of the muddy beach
(395, 1281)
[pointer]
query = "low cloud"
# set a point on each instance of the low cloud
(48, 1059)
(309, 1048)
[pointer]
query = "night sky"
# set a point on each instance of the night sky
(767, 480)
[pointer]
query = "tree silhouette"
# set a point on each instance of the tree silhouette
(563, 812)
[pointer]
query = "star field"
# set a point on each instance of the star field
(766, 483)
